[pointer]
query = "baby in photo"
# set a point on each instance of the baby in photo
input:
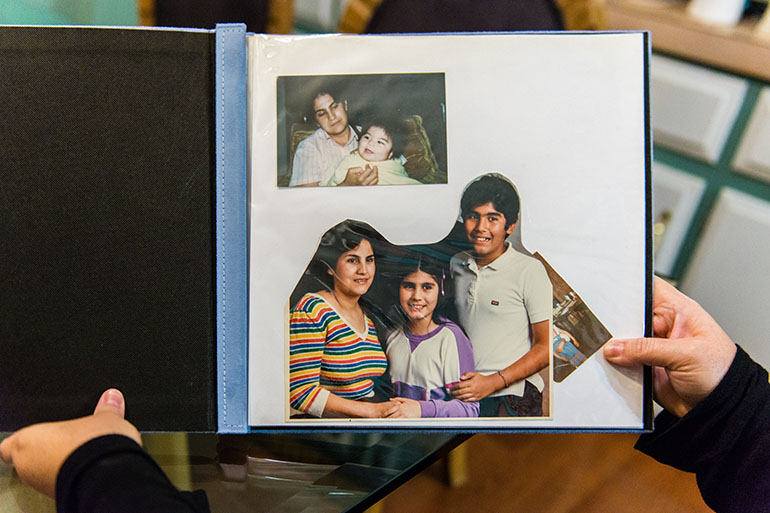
(379, 147)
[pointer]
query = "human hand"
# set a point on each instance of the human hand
(361, 176)
(475, 387)
(401, 407)
(690, 353)
(378, 410)
(38, 451)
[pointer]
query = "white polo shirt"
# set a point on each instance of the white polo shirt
(496, 305)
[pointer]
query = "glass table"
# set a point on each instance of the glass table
(280, 473)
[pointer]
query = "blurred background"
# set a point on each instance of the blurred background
(710, 114)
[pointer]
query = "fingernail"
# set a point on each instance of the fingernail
(113, 397)
(613, 349)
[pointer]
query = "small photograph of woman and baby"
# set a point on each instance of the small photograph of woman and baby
(458, 328)
(375, 129)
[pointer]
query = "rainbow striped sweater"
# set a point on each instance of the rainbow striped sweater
(326, 355)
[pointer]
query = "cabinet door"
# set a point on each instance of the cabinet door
(730, 271)
(753, 157)
(693, 108)
(677, 195)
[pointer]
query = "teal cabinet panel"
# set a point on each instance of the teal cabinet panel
(68, 12)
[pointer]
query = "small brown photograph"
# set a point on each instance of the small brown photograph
(577, 332)
(361, 130)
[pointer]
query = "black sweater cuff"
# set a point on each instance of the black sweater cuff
(725, 439)
(112, 473)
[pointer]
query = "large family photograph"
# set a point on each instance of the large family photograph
(361, 130)
(459, 328)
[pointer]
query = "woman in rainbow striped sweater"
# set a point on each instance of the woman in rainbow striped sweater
(334, 353)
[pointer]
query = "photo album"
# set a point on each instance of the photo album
(249, 232)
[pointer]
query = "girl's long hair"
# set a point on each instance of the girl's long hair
(421, 262)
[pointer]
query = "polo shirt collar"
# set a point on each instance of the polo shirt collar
(498, 263)
(503, 260)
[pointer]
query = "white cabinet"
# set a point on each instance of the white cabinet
(753, 157)
(730, 271)
(693, 108)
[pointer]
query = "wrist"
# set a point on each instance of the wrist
(502, 378)
(373, 410)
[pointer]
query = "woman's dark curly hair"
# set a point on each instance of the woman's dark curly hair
(338, 240)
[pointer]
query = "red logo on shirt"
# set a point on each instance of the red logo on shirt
(495, 302)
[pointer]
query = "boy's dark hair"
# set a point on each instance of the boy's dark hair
(395, 128)
(492, 188)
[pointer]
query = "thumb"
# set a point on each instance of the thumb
(659, 352)
(111, 401)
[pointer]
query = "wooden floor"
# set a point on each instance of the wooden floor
(551, 473)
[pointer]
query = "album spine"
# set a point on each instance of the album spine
(231, 212)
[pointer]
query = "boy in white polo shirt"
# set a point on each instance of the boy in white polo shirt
(504, 302)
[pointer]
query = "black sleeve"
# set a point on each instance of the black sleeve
(113, 474)
(725, 440)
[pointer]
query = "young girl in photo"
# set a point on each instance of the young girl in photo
(379, 147)
(429, 353)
